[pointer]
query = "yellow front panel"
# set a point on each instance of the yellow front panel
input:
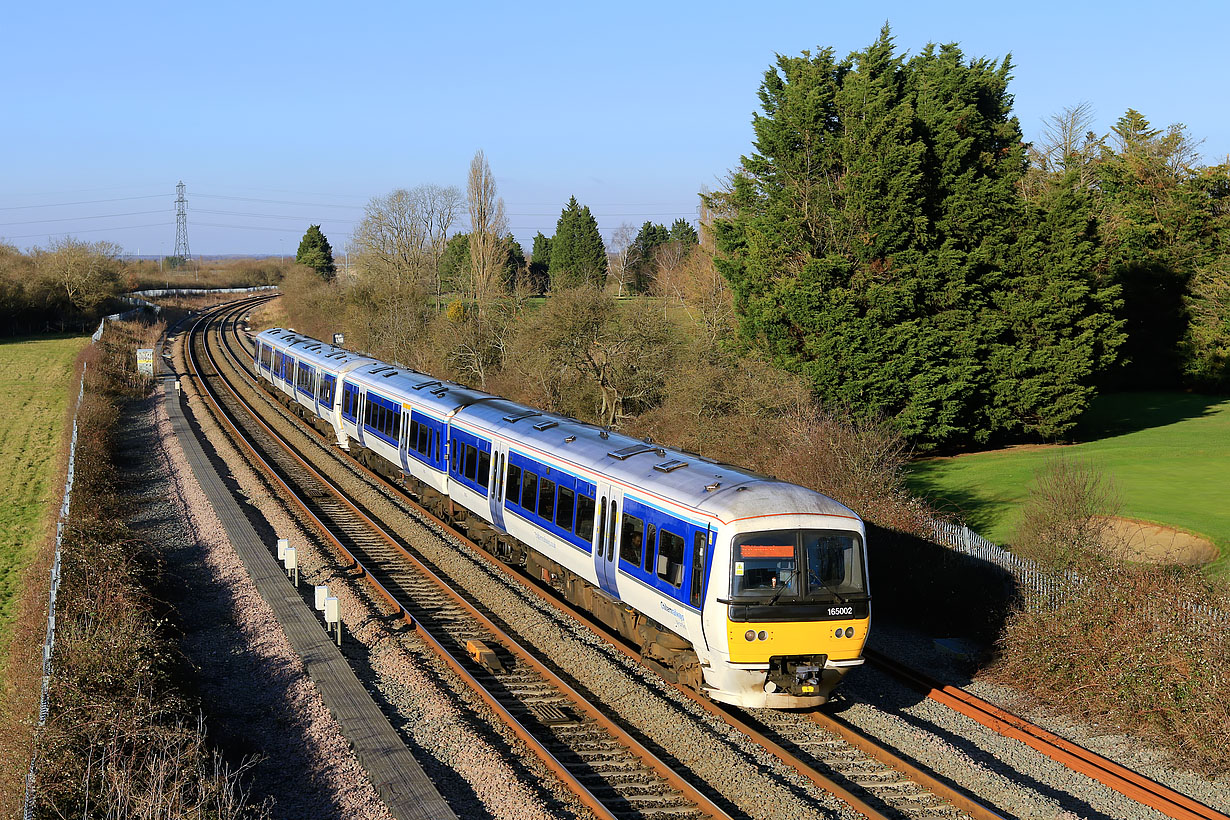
(795, 638)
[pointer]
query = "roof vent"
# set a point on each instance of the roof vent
(668, 466)
(390, 373)
(711, 487)
(546, 425)
(635, 449)
(603, 434)
(439, 393)
(421, 385)
(515, 417)
(569, 439)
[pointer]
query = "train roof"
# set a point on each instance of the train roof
(313, 351)
(724, 491)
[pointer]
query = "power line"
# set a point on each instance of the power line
(91, 230)
(75, 218)
(83, 202)
(280, 202)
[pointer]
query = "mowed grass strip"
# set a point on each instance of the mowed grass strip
(36, 385)
(1167, 453)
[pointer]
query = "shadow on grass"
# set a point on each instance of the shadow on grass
(979, 510)
(1116, 414)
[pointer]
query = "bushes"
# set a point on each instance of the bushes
(1124, 649)
(1066, 517)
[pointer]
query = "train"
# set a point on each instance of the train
(748, 589)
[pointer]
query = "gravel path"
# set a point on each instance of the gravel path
(258, 702)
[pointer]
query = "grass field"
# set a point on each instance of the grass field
(1167, 453)
(36, 380)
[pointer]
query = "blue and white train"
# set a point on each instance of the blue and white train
(751, 590)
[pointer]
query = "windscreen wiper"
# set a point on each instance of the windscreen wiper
(783, 588)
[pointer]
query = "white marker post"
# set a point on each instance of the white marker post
(333, 616)
(291, 562)
(322, 592)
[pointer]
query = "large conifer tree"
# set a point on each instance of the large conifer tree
(316, 252)
(578, 256)
(871, 243)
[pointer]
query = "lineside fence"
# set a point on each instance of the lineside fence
(1041, 589)
(65, 505)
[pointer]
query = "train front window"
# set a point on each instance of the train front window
(766, 565)
(834, 564)
(798, 565)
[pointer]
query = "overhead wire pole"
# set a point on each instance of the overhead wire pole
(181, 225)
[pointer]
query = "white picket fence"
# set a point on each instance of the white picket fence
(1042, 589)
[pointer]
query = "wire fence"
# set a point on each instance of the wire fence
(1042, 589)
(50, 640)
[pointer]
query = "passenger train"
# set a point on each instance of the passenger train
(751, 590)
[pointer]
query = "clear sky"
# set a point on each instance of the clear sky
(277, 115)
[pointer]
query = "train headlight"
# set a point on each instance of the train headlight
(750, 635)
(838, 633)
(849, 632)
(762, 635)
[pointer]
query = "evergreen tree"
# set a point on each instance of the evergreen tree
(641, 259)
(316, 253)
(873, 245)
(683, 232)
(540, 263)
(578, 256)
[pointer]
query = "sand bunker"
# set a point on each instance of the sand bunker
(1154, 543)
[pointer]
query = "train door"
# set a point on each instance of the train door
(498, 485)
(403, 442)
(610, 499)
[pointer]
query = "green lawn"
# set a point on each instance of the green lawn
(36, 384)
(1167, 453)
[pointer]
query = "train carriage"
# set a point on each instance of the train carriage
(750, 589)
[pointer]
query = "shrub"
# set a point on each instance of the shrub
(1065, 518)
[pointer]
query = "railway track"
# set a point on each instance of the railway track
(853, 768)
(610, 772)
(1123, 780)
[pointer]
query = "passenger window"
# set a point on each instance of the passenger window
(585, 519)
(471, 471)
(455, 446)
(413, 439)
(563, 512)
(610, 533)
(601, 526)
(484, 469)
(631, 538)
(651, 534)
(512, 490)
(699, 542)
(546, 499)
(529, 490)
(670, 558)
(437, 441)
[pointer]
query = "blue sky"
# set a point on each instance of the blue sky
(276, 115)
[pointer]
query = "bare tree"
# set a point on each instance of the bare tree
(487, 229)
(402, 236)
(440, 206)
(79, 274)
(623, 255)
